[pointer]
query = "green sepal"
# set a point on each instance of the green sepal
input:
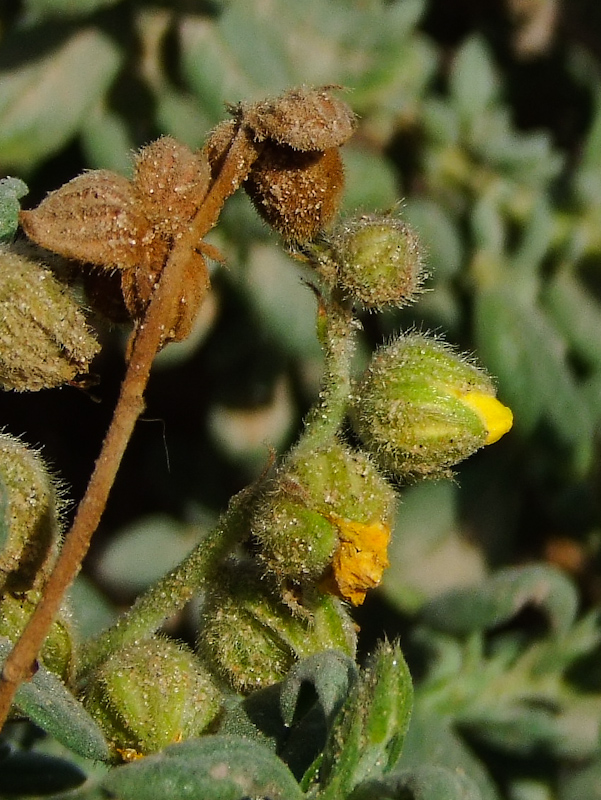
(11, 191)
(48, 703)
(211, 768)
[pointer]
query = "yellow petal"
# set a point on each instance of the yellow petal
(361, 559)
(496, 417)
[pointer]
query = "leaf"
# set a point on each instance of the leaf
(332, 674)
(463, 611)
(44, 102)
(11, 191)
(44, 9)
(211, 768)
(474, 81)
(519, 344)
(439, 235)
(48, 703)
(425, 782)
(26, 773)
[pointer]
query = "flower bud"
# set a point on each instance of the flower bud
(297, 193)
(151, 694)
(57, 650)
(375, 260)
(327, 520)
(29, 517)
(44, 339)
(251, 638)
(421, 408)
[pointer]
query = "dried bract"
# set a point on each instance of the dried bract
(303, 118)
(296, 193)
(94, 218)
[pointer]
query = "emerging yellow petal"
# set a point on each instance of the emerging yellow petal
(496, 417)
(361, 559)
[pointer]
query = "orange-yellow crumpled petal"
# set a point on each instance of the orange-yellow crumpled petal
(361, 559)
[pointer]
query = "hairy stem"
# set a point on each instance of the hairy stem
(20, 664)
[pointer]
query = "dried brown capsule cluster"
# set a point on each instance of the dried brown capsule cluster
(296, 179)
(101, 218)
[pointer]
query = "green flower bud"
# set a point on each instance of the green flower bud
(251, 638)
(421, 408)
(327, 510)
(28, 519)
(151, 694)
(57, 651)
(44, 339)
(375, 260)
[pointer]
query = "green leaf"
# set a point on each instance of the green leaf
(439, 235)
(48, 703)
(26, 773)
(474, 82)
(44, 102)
(43, 9)
(11, 191)
(463, 611)
(425, 782)
(519, 344)
(211, 768)
(332, 675)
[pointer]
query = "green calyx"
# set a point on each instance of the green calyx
(149, 695)
(419, 409)
(375, 260)
(251, 639)
(298, 527)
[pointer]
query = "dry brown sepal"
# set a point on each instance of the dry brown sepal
(303, 118)
(103, 219)
(44, 338)
(296, 193)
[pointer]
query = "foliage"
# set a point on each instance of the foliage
(502, 644)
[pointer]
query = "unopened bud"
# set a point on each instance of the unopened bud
(151, 694)
(44, 339)
(29, 517)
(251, 638)
(375, 260)
(421, 408)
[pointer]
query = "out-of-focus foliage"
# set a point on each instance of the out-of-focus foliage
(507, 200)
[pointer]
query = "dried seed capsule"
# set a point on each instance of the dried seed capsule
(296, 193)
(327, 521)
(421, 408)
(44, 339)
(94, 218)
(251, 639)
(375, 260)
(303, 118)
(151, 694)
(30, 518)
(170, 181)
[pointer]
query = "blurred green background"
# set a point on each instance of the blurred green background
(480, 122)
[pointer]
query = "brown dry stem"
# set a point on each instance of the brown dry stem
(152, 331)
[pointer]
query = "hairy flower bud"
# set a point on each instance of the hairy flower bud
(44, 339)
(327, 520)
(151, 694)
(374, 260)
(57, 650)
(29, 524)
(251, 638)
(421, 407)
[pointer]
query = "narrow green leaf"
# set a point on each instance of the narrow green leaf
(577, 314)
(26, 773)
(474, 81)
(463, 611)
(11, 191)
(48, 703)
(43, 103)
(438, 234)
(425, 782)
(211, 768)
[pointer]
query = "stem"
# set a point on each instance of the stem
(174, 590)
(337, 329)
(20, 664)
